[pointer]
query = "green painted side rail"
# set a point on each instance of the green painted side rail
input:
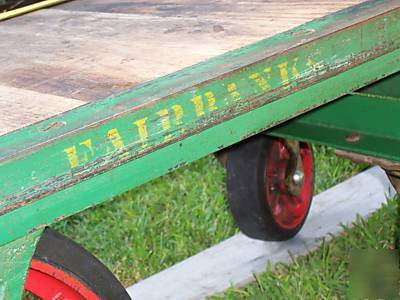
(60, 166)
(366, 122)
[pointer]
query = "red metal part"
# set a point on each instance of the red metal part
(288, 210)
(50, 283)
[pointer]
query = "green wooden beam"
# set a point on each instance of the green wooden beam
(60, 166)
(366, 122)
(99, 188)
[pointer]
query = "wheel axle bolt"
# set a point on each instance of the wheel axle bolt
(298, 177)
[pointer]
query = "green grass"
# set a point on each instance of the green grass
(171, 218)
(158, 224)
(323, 274)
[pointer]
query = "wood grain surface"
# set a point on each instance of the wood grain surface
(87, 50)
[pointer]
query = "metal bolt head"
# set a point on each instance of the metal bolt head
(298, 177)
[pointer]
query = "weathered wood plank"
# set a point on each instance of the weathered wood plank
(234, 261)
(27, 107)
(88, 50)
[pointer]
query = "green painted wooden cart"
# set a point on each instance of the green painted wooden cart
(98, 97)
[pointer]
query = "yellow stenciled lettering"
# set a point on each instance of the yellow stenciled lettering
(115, 138)
(165, 124)
(267, 71)
(284, 72)
(88, 144)
(295, 72)
(310, 62)
(178, 110)
(233, 91)
(310, 59)
(260, 80)
(72, 156)
(142, 128)
(211, 101)
(198, 105)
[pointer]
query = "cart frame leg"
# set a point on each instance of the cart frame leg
(14, 264)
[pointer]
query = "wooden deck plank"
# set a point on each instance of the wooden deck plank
(31, 107)
(87, 50)
(235, 261)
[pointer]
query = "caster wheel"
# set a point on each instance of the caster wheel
(61, 269)
(270, 186)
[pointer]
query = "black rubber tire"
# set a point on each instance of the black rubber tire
(246, 165)
(64, 254)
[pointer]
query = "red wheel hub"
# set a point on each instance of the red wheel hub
(50, 283)
(288, 209)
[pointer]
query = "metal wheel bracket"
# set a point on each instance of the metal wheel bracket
(295, 172)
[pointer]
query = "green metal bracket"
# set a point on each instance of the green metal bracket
(386, 88)
(365, 122)
(14, 263)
